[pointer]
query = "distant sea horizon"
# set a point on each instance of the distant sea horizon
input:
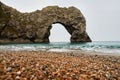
(96, 46)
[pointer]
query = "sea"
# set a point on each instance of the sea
(96, 46)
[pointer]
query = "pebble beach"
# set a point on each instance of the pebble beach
(42, 65)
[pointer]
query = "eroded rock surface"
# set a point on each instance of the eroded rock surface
(17, 27)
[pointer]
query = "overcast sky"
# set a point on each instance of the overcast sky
(102, 16)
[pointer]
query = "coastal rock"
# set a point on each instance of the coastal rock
(17, 27)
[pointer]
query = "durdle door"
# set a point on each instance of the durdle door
(17, 27)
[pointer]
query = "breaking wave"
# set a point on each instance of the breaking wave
(100, 46)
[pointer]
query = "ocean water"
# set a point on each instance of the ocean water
(97, 46)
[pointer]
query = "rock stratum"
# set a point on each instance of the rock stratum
(17, 27)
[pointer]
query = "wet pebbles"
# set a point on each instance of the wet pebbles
(24, 65)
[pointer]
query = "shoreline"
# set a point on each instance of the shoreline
(75, 51)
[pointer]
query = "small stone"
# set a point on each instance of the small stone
(24, 79)
(19, 72)
(44, 67)
(84, 76)
(109, 76)
(23, 69)
(32, 76)
(15, 65)
(73, 75)
(37, 65)
(17, 78)
(9, 69)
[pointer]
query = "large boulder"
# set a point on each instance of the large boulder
(17, 27)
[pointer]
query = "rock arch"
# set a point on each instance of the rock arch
(58, 33)
(35, 26)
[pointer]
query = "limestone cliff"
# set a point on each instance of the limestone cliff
(17, 27)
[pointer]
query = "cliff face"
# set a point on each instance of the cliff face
(16, 27)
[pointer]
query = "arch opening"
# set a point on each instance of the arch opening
(58, 33)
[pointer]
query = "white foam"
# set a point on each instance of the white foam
(59, 50)
(111, 51)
